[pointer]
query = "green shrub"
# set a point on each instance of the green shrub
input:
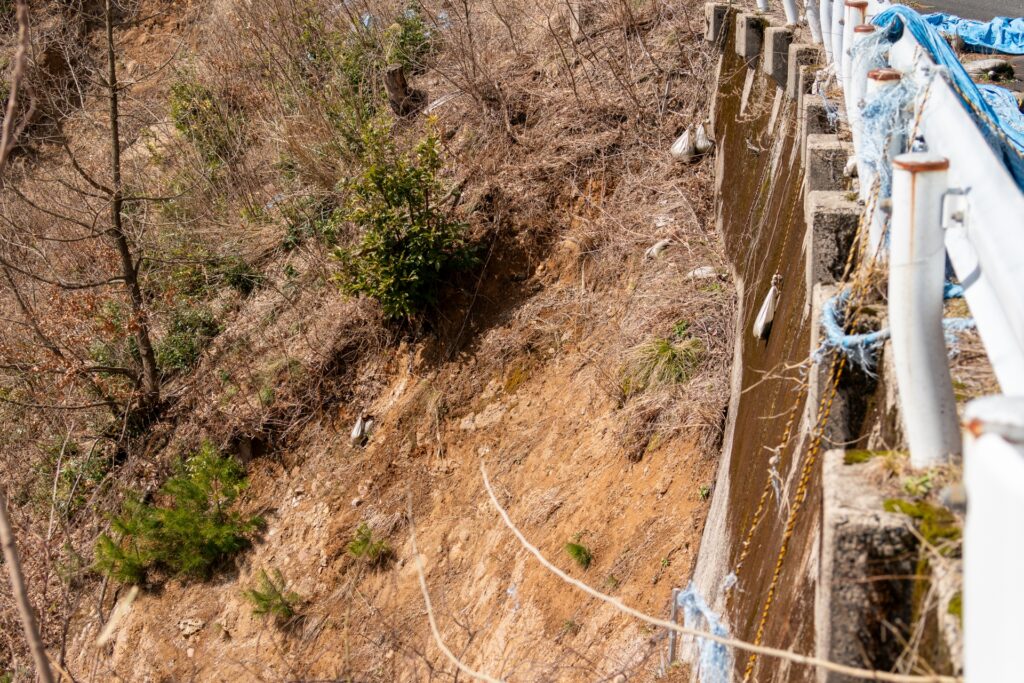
(409, 243)
(310, 218)
(365, 547)
(190, 331)
(204, 121)
(410, 40)
(271, 597)
(191, 529)
(580, 553)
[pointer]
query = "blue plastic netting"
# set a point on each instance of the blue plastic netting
(1002, 133)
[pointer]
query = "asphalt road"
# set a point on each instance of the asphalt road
(974, 9)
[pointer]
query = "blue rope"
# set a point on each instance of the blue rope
(715, 658)
(860, 349)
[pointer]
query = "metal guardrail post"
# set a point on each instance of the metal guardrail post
(792, 16)
(917, 262)
(838, 17)
(853, 17)
(993, 552)
(877, 81)
(856, 83)
(813, 14)
(825, 16)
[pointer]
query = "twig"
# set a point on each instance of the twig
(863, 674)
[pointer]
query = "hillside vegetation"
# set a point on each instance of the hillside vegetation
(228, 237)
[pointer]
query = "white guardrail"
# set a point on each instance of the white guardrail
(958, 195)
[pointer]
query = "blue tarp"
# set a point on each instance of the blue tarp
(1009, 146)
(1005, 105)
(1002, 34)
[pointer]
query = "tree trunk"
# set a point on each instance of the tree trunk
(403, 99)
(129, 267)
(28, 616)
(575, 20)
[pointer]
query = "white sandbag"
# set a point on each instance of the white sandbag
(850, 170)
(359, 431)
(684, 148)
(703, 273)
(766, 316)
(655, 249)
(702, 143)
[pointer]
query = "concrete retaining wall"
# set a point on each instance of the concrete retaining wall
(784, 207)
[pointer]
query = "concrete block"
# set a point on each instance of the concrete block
(805, 83)
(864, 586)
(717, 17)
(813, 121)
(801, 55)
(749, 35)
(777, 40)
(825, 161)
(832, 221)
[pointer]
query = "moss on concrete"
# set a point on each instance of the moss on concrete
(858, 456)
(936, 524)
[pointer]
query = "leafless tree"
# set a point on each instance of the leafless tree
(10, 550)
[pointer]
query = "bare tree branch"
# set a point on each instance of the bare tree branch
(10, 550)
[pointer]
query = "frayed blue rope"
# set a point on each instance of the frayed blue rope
(860, 349)
(952, 290)
(715, 659)
(951, 327)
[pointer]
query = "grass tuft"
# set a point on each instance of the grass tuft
(580, 554)
(664, 361)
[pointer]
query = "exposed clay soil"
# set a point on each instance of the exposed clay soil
(521, 375)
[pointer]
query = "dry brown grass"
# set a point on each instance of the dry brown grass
(559, 148)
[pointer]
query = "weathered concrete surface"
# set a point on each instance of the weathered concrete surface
(866, 557)
(825, 160)
(781, 207)
(832, 220)
(814, 120)
(820, 381)
(717, 18)
(801, 55)
(749, 35)
(759, 177)
(777, 40)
